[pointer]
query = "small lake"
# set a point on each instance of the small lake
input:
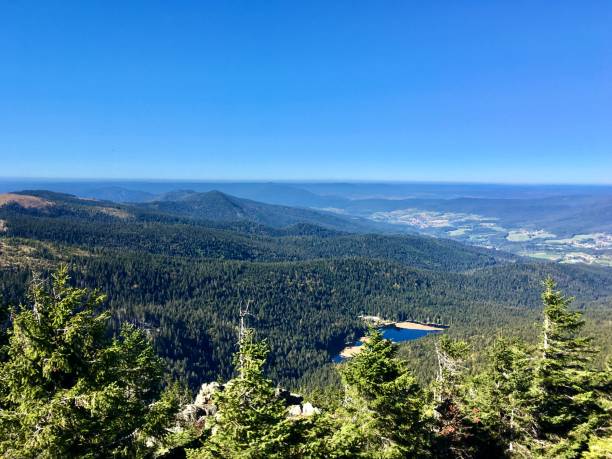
(395, 334)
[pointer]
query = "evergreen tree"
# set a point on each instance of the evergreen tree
(572, 396)
(251, 421)
(502, 400)
(69, 390)
(383, 414)
(600, 441)
(453, 427)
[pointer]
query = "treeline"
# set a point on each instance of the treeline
(71, 388)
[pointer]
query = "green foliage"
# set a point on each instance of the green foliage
(252, 420)
(571, 394)
(501, 398)
(72, 390)
(453, 427)
(599, 448)
(547, 403)
(69, 389)
(383, 410)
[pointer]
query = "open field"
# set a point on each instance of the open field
(484, 231)
(458, 232)
(523, 235)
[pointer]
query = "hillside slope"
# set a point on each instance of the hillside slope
(220, 207)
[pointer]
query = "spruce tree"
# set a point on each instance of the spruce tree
(572, 396)
(383, 414)
(69, 389)
(251, 421)
(453, 427)
(501, 399)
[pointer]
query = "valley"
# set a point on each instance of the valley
(483, 231)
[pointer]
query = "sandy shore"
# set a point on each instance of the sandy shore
(350, 351)
(415, 326)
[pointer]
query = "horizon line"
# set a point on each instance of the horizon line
(310, 180)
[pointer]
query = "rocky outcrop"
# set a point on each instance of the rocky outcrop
(204, 408)
(302, 410)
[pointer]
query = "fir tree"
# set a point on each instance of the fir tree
(453, 428)
(69, 390)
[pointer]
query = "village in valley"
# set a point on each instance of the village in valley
(489, 232)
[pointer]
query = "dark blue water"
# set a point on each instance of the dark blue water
(397, 335)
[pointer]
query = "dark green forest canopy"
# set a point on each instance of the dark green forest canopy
(185, 280)
(72, 390)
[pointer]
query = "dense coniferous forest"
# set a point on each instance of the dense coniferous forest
(183, 279)
(104, 357)
(72, 389)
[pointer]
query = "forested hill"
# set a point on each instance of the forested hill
(97, 224)
(211, 207)
(217, 206)
(183, 279)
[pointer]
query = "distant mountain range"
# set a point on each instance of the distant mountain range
(301, 194)
(220, 207)
(212, 207)
(271, 193)
(568, 223)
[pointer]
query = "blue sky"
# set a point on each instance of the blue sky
(481, 91)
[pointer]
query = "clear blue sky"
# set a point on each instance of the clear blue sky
(489, 91)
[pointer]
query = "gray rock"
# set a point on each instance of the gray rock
(206, 393)
(302, 410)
(309, 410)
(295, 410)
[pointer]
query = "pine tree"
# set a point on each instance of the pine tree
(383, 414)
(571, 394)
(69, 389)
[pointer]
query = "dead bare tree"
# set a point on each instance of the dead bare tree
(244, 312)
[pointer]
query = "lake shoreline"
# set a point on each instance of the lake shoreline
(350, 351)
(419, 326)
